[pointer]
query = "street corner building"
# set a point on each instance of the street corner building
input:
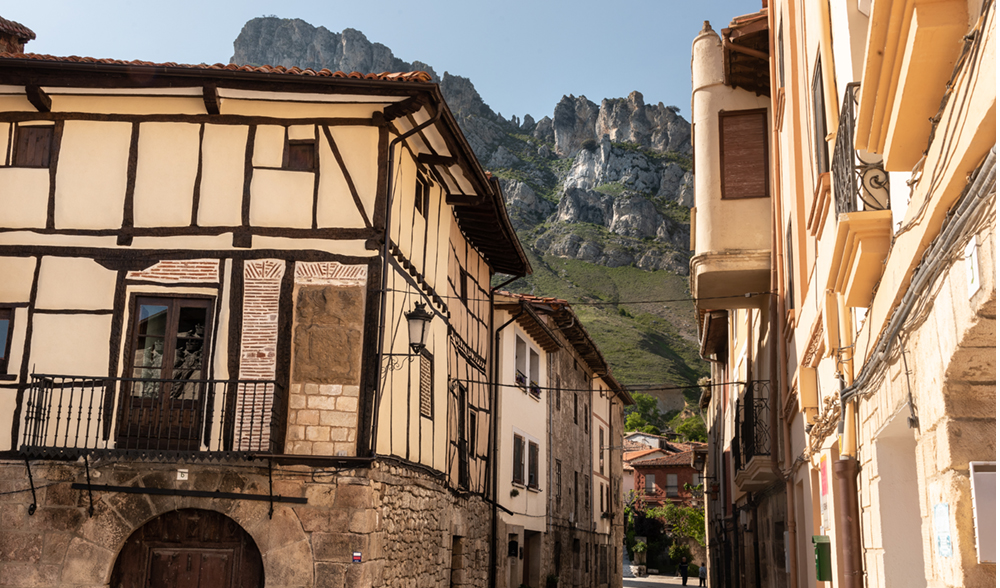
(844, 271)
(245, 326)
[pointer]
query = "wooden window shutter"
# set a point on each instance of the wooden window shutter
(822, 149)
(743, 154)
(518, 476)
(33, 146)
(426, 387)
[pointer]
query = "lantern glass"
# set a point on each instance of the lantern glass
(417, 321)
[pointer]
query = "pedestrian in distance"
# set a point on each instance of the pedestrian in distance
(702, 574)
(684, 571)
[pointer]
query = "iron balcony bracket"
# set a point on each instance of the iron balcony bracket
(34, 499)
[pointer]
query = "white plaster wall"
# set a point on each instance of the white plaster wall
(74, 344)
(18, 273)
(75, 283)
(240, 107)
(140, 105)
(359, 148)
(24, 196)
(223, 154)
(281, 198)
(165, 174)
(91, 176)
(268, 146)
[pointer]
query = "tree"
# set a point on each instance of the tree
(644, 416)
(693, 429)
(681, 522)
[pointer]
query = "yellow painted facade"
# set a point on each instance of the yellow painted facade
(881, 317)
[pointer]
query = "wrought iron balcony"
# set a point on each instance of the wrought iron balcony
(520, 379)
(860, 182)
(534, 389)
(69, 416)
(751, 447)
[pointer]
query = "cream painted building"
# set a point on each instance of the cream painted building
(865, 342)
(560, 421)
(206, 367)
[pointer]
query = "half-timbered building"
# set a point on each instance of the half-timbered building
(208, 376)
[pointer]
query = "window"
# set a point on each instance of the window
(463, 286)
(790, 266)
(650, 480)
(473, 420)
(600, 451)
(821, 148)
(299, 155)
(576, 408)
(586, 493)
(586, 419)
(695, 480)
(781, 52)
(743, 154)
(576, 496)
(558, 482)
(32, 146)
(558, 393)
(602, 498)
(168, 344)
(6, 333)
(421, 199)
(520, 362)
(532, 465)
(518, 477)
(671, 484)
(426, 385)
(533, 387)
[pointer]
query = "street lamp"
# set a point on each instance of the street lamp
(417, 321)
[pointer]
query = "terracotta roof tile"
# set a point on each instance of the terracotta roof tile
(411, 76)
(630, 455)
(17, 29)
(683, 458)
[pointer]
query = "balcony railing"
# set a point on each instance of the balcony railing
(69, 416)
(859, 180)
(520, 379)
(534, 389)
(753, 435)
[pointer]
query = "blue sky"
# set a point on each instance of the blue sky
(522, 55)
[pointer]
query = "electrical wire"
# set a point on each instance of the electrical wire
(596, 303)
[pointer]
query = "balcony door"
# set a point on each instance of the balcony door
(163, 394)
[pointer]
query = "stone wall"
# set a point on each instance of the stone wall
(410, 529)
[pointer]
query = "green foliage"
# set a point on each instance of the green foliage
(614, 189)
(644, 416)
(681, 521)
(677, 551)
(639, 547)
(693, 429)
(653, 345)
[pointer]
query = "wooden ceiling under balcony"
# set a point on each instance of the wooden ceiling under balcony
(746, 53)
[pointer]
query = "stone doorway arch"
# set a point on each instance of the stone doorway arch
(189, 548)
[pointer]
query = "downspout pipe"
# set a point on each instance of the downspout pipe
(385, 269)
(494, 440)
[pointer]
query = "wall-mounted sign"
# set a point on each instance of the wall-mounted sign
(942, 529)
(824, 493)
(356, 557)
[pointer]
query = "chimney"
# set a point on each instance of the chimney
(13, 36)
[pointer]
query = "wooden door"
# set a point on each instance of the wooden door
(164, 394)
(189, 548)
(190, 568)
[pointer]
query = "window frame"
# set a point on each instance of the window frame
(533, 459)
(649, 483)
(426, 409)
(7, 313)
(422, 195)
(286, 159)
(672, 489)
(765, 169)
(821, 148)
(517, 477)
(15, 145)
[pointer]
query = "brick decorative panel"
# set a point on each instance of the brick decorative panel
(180, 271)
(330, 273)
(258, 348)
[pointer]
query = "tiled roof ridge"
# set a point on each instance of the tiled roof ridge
(681, 458)
(411, 76)
(17, 29)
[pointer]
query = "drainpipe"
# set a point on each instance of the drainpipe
(385, 270)
(494, 441)
(848, 521)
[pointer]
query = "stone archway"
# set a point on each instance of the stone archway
(189, 548)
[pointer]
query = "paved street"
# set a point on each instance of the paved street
(654, 581)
